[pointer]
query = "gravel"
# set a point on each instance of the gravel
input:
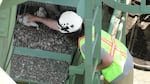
(49, 71)
(39, 69)
(42, 70)
(44, 38)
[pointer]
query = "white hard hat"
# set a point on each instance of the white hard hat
(69, 22)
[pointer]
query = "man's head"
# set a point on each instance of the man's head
(69, 22)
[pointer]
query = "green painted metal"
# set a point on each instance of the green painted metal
(7, 64)
(10, 3)
(77, 58)
(143, 5)
(88, 42)
(89, 73)
(121, 25)
(5, 14)
(96, 78)
(81, 8)
(7, 21)
(120, 28)
(42, 54)
(10, 38)
(92, 49)
(76, 69)
(96, 54)
(73, 3)
(110, 29)
(85, 8)
(23, 81)
(72, 79)
(123, 20)
(141, 9)
(98, 26)
(76, 74)
(90, 18)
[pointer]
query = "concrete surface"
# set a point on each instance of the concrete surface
(141, 77)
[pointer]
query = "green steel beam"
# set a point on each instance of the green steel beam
(77, 58)
(10, 37)
(4, 20)
(128, 8)
(88, 42)
(72, 3)
(10, 3)
(96, 44)
(75, 79)
(122, 26)
(112, 21)
(120, 29)
(7, 64)
(23, 81)
(92, 17)
(81, 8)
(7, 20)
(96, 78)
(97, 23)
(96, 53)
(72, 79)
(76, 69)
(87, 13)
(42, 54)
(123, 36)
(76, 74)
(143, 5)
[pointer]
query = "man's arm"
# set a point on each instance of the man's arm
(51, 23)
(106, 61)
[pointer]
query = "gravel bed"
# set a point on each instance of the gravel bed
(39, 69)
(49, 71)
(44, 38)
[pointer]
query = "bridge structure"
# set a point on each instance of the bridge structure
(91, 11)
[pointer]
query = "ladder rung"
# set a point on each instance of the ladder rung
(42, 54)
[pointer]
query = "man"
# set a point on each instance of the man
(116, 64)
(68, 22)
